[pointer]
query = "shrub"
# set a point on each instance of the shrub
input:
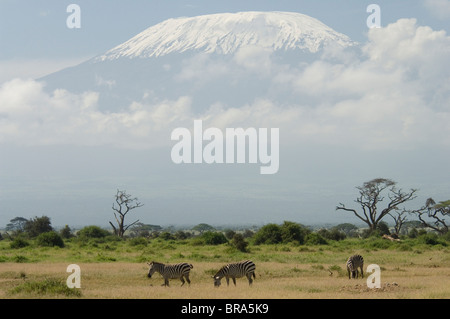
(66, 232)
(19, 243)
(47, 286)
(413, 233)
(181, 235)
(20, 259)
(229, 234)
(50, 239)
(38, 225)
(138, 241)
(214, 238)
(239, 243)
(166, 236)
(293, 232)
(315, 239)
(332, 234)
(93, 232)
(431, 239)
(286, 233)
(268, 234)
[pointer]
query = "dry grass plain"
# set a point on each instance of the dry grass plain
(314, 273)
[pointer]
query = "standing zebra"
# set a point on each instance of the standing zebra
(353, 263)
(180, 270)
(235, 270)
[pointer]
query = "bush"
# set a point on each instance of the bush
(19, 243)
(286, 233)
(93, 232)
(50, 239)
(239, 243)
(138, 241)
(214, 238)
(181, 235)
(66, 232)
(293, 232)
(50, 286)
(268, 234)
(333, 234)
(431, 239)
(315, 239)
(166, 236)
(37, 226)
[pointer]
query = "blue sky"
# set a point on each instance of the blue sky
(382, 114)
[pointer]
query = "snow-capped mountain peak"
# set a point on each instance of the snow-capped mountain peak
(225, 33)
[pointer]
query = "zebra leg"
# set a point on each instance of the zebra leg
(362, 272)
(234, 280)
(166, 282)
(187, 279)
(250, 280)
(228, 280)
(182, 281)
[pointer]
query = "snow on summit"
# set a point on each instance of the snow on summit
(225, 33)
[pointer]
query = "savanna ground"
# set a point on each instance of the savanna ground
(283, 271)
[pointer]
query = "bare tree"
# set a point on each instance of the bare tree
(123, 204)
(399, 218)
(436, 214)
(371, 197)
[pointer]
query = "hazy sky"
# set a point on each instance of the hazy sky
(384, 114)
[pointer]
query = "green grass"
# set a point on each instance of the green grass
(143, 250)
(46, 287)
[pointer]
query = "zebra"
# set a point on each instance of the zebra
(353, 263)
(180, 270)
(235, 270)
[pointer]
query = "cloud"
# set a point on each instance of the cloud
(394, 94)
(30, 116)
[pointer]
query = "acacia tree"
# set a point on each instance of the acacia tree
(435, 213)
(371, 196)
(399, 218)
(17, 224)
(124, 203)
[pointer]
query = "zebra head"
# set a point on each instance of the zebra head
(216, 281)
(151, 270)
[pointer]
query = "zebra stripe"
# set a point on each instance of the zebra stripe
(235, 270)
(180, 271)
(353, 263)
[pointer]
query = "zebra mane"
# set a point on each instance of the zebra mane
(156, 263)
(221, 269)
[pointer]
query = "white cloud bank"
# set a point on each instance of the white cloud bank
(394, 95)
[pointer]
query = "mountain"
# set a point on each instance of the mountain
(226, 33)
(227, 58)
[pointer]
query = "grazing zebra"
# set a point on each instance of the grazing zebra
(353, 263)
(235, 270)
(180, 270)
